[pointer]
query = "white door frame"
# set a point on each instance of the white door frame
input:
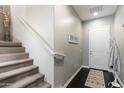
(107, 27)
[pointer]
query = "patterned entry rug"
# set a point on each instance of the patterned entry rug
(95, 79)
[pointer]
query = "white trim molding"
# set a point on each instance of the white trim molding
(118, 78)
(83, 66)
(71, 78)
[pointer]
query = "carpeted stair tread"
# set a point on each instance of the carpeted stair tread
(16, 72)
(11, 65)
(10, 44)
(43, 85)
(26, 81)
(17, 69)
(8, 63)
(13, 56)
(4, 50)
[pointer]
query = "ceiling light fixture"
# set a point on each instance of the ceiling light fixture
(95, 13)
(95, 10)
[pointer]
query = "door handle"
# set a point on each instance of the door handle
(90, 52)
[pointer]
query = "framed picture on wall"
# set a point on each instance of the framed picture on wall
(73, 39)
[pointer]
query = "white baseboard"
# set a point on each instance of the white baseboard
(119, 80)
(83, 66)
(71, 78)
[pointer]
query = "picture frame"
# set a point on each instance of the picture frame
(73, 39)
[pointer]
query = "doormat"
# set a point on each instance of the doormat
(95, 79)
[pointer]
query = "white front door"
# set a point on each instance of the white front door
(99, 38)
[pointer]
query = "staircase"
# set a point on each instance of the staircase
(17, 69)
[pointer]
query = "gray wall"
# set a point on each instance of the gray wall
(66, 22)
(119, 36)
(86, 26)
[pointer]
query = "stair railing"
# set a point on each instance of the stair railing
(41, 38)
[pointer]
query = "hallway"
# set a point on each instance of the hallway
(56, 46)
(94, 46)
(61, 46)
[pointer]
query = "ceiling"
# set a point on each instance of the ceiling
(86, 12)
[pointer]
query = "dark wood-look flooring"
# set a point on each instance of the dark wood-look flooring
(80, 78)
